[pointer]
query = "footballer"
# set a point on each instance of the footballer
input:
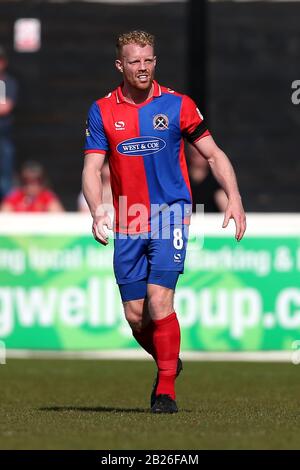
(141, 126)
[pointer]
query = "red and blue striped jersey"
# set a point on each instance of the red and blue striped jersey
(145, 144)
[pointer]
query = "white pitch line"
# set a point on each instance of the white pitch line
(135, 354)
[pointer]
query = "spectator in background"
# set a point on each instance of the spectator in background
(205, 188)
(7, 151)
(106, 190)
(33, 194)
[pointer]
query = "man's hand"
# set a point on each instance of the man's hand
(98, 229)
(224, 174)
(235, 210)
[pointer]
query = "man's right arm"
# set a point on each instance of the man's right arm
(92, 190)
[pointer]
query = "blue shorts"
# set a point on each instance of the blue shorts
(149, 259)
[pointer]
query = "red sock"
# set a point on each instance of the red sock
(145, 338)
(166, 340)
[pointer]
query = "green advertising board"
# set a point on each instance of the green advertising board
(58, 292)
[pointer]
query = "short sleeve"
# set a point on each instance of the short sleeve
(96, 140)
(192, 124)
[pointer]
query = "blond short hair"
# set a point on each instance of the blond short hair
(142, 38)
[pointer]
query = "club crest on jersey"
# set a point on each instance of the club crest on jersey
(146, 145)
(160, 122)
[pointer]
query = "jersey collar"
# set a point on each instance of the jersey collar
(121, 99)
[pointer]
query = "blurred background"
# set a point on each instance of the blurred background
(236, 59)
(239, 60)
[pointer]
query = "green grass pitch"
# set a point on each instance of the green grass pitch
(66, 404)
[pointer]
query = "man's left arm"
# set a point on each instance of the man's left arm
(224, 173)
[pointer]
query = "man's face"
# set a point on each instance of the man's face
(137, 63)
